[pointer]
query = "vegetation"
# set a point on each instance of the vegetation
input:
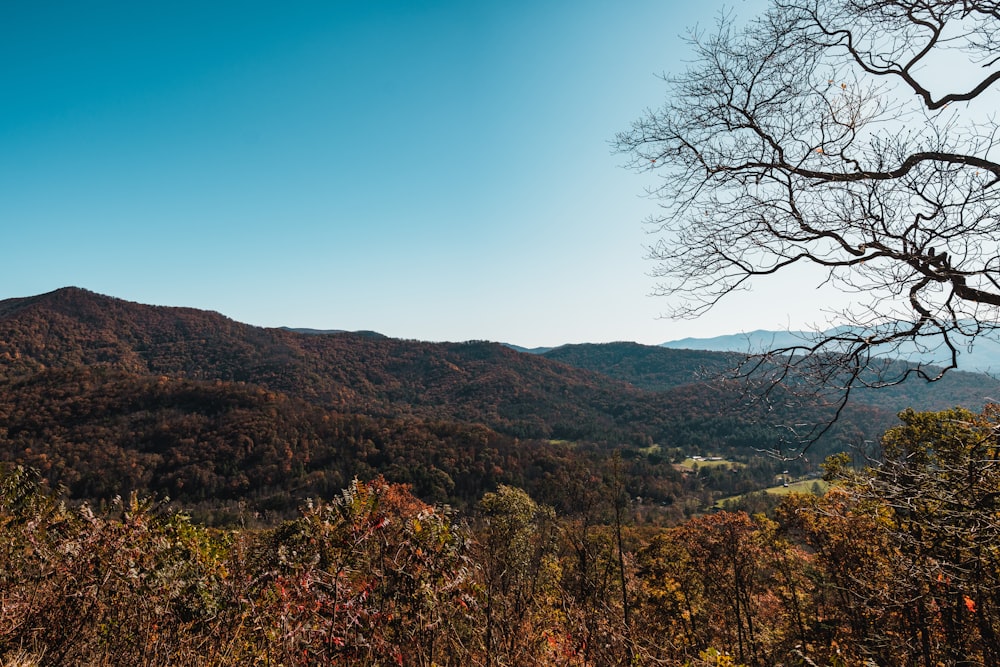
(659, 392)
(897, 564)
(359, 500)
(106, 397)
(470, 506)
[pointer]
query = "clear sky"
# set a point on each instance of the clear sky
(437, 170)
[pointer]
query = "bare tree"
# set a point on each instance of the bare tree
(852, 135)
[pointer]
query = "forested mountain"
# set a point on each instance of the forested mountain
(521, 394)
(106, 396)
(362, 373)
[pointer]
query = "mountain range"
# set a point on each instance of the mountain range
(981, 355)
(107, 396)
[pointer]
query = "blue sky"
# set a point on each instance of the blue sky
(429, 170)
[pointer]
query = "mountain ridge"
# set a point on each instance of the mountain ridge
(981, 355)
(352, 371)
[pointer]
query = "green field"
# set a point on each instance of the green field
(691, 463)
(802, 486)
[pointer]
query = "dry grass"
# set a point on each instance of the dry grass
(21, 659)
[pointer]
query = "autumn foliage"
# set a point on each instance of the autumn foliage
(889, 567)
(470, 506)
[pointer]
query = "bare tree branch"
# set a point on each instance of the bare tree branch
(822, 134)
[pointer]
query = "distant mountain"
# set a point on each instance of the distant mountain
(979, 356)
(758, 340)
(528, 350)
(327, 332)
(483, 382)
(106, 396)
(599, 392)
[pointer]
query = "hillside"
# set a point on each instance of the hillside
(646, 366)
(102, 433)
(523, 395)
(358, 373)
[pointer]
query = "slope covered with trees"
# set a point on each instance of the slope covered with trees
(217, 446)
(358, 373)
